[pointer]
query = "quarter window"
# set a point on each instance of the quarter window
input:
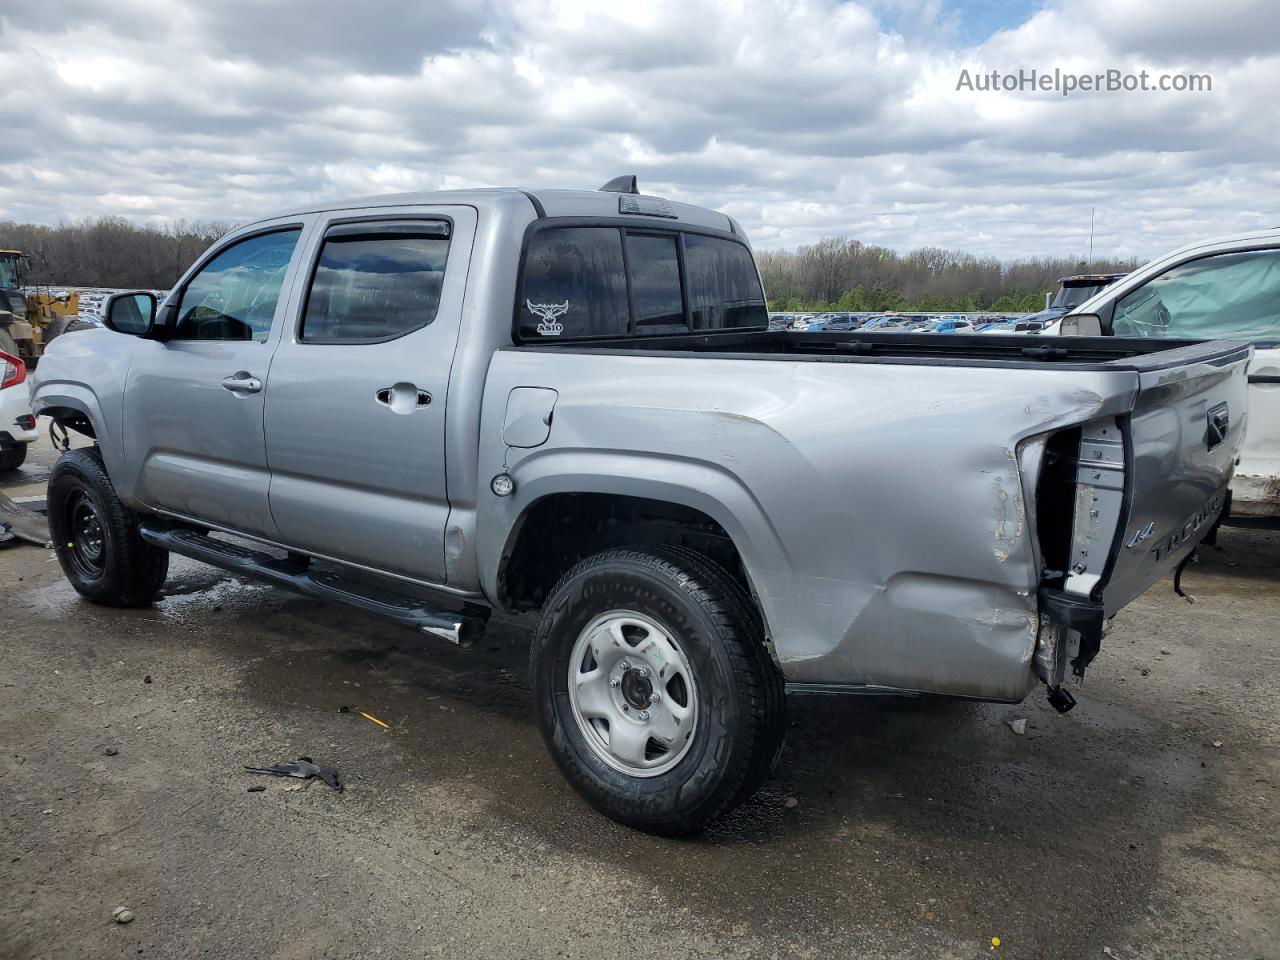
(234, 295)
(376, 282)
(1233, 296)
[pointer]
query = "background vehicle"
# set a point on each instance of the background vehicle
(1226, 287)
(29, 319)
(618, 446)
(948, 326)
(876, 324)
(17, 425)
(1072, 292)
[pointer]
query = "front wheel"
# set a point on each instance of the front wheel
(655, 693)
(96, 536)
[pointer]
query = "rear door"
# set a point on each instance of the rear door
(194, 402)
(355, 408)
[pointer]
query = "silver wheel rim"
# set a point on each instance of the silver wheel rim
(633, 693)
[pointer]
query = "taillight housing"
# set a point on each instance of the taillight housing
(12, 370)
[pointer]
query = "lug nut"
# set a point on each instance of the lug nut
(641, 672)
(614, 681)
(643, 714)
(624, 665)
(655, 697)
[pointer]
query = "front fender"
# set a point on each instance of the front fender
(86, 373)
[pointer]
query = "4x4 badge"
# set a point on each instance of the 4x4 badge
(549, 312)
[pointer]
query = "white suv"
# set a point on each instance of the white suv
(17, 425)
(1223, 289)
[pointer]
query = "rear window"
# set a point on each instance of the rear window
(376, 281)
(603, 281)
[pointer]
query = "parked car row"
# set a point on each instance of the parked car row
(904, 323)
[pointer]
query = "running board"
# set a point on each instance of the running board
(297, 576)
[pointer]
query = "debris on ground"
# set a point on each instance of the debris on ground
(19, 523)
(372, 719)
(256, 788)
(791, 803)
(1217, 743)
(304, 768)
(109, 751)
(1165, 652)
(1018, 726)
(121, 914)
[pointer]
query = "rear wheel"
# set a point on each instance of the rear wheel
(11, 458)
(655, 693)
(96, 536)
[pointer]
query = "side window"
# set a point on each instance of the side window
(724, 288)
(1232, 296)
(575, 284)
(234, 295)
(376, 281)
(654, 265)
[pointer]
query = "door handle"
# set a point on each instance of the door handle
(403, 398)
(242, 382)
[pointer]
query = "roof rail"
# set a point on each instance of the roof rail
(625, 184)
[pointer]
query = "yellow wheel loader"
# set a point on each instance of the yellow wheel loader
(31, 318)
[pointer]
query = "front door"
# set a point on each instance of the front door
(355, 414)
(193, 403)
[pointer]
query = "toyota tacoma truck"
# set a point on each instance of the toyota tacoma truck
(434, 405)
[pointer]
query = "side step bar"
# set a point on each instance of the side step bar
(293, 575)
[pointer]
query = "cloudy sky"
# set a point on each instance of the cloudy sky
(802, 118)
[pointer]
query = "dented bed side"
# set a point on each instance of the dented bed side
(881, 511)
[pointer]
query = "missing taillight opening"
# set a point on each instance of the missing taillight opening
(1055, 505)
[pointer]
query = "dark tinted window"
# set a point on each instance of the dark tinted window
(724, 290)
(234, 295)
(655, 284)
(575, 284)
(370, 285)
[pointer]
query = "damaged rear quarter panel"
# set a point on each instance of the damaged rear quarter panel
(881, 510)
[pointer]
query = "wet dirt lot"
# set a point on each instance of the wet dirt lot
(1144, 824)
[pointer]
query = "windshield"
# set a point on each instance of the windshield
(8, 273)
(1072, 297)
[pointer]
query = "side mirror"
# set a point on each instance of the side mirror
(131, 313)
(1081, 325)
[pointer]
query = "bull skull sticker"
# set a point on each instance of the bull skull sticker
(550, 325)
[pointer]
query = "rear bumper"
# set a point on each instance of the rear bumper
(16, 436)
(1070, 635)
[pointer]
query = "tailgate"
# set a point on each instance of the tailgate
(1163, 480)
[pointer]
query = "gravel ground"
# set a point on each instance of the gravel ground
(1143, 824)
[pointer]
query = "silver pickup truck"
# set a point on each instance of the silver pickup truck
(434, 405)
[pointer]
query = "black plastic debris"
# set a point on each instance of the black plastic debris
(304, 768)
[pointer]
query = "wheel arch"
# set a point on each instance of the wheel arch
(558, 517)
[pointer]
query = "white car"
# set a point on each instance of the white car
(1223, 289)
(17, 425)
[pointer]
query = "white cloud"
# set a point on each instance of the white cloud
(800, 117)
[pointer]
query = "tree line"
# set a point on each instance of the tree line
(110, 251)
(837, 273)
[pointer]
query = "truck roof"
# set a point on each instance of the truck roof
(545, 203)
